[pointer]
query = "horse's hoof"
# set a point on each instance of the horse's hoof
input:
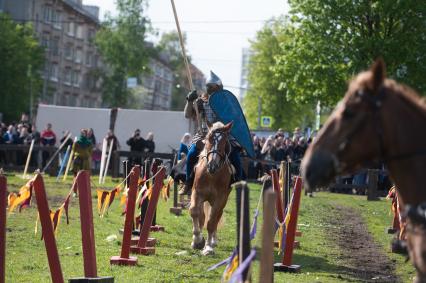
(208, 250)
(198, 246)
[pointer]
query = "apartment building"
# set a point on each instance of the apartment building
(244, 83)
(66, 28)
(153, 90)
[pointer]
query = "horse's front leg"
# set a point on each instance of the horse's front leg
(214, 217)
(196, 211)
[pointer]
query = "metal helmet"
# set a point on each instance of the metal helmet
(213, 79)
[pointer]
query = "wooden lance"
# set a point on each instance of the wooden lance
(185, 59)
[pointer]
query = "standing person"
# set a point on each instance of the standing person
(137, 144)
(47, 138)
(185, 143)
(111, 137)
(149, 143)
(82, 153)
(91, 137)
(208, 116)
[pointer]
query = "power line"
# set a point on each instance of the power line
(213, 22)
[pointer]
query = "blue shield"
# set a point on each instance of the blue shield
(227, 109)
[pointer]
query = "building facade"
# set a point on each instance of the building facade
(67, 29)
(153, 90)
(244, 83)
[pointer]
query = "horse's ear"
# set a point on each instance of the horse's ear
(228, 126)
(379, 73)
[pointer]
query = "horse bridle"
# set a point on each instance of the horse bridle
(416, 213)
(223, 157)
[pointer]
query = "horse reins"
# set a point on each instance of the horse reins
(223, 157)
(416, 213)
(376, 103)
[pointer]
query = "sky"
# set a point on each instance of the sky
(217, 30)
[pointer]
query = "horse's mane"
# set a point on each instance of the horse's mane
(408, 95)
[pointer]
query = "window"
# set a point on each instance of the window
(46, 14)
(79, 31)
(70, 28)
(67, 76)
(89, 59)
(90, 34)
(56, 19)
(75, 78)
(69, 52)
(54, 46)
(78, 56)
(53, 72)
(45, 41)
(158, 70)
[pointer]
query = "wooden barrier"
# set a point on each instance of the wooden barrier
(142, 247)
(116, 155)
(286, 264)
(124, 258)
(47, 229)
(3, 205)
(12, 151)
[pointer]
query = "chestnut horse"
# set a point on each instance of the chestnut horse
(211, 184)
(378, 120)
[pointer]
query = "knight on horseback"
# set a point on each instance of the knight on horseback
(207, 117)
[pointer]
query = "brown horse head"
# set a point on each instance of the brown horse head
(378, 119)
(217, 147)
(349, 137)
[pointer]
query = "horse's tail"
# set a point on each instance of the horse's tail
(207, 209)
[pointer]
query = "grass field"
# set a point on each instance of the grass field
(26, 259)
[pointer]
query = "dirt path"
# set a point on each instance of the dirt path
(361, 257)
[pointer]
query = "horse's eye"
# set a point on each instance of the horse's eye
(348, 113)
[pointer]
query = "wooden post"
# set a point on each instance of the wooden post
(176, 210)
(87, 231)
(124, 258)
(278, 201)
(243, 223)
(47, 230)
(286, 264)
(267, 256)
(3, 205)
(142, 247)
(373, 177)
(86, 220)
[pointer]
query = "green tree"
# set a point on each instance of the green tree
(121, 42)
(330, 41)
(21, 60)
(265, 85)
(169, 43)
